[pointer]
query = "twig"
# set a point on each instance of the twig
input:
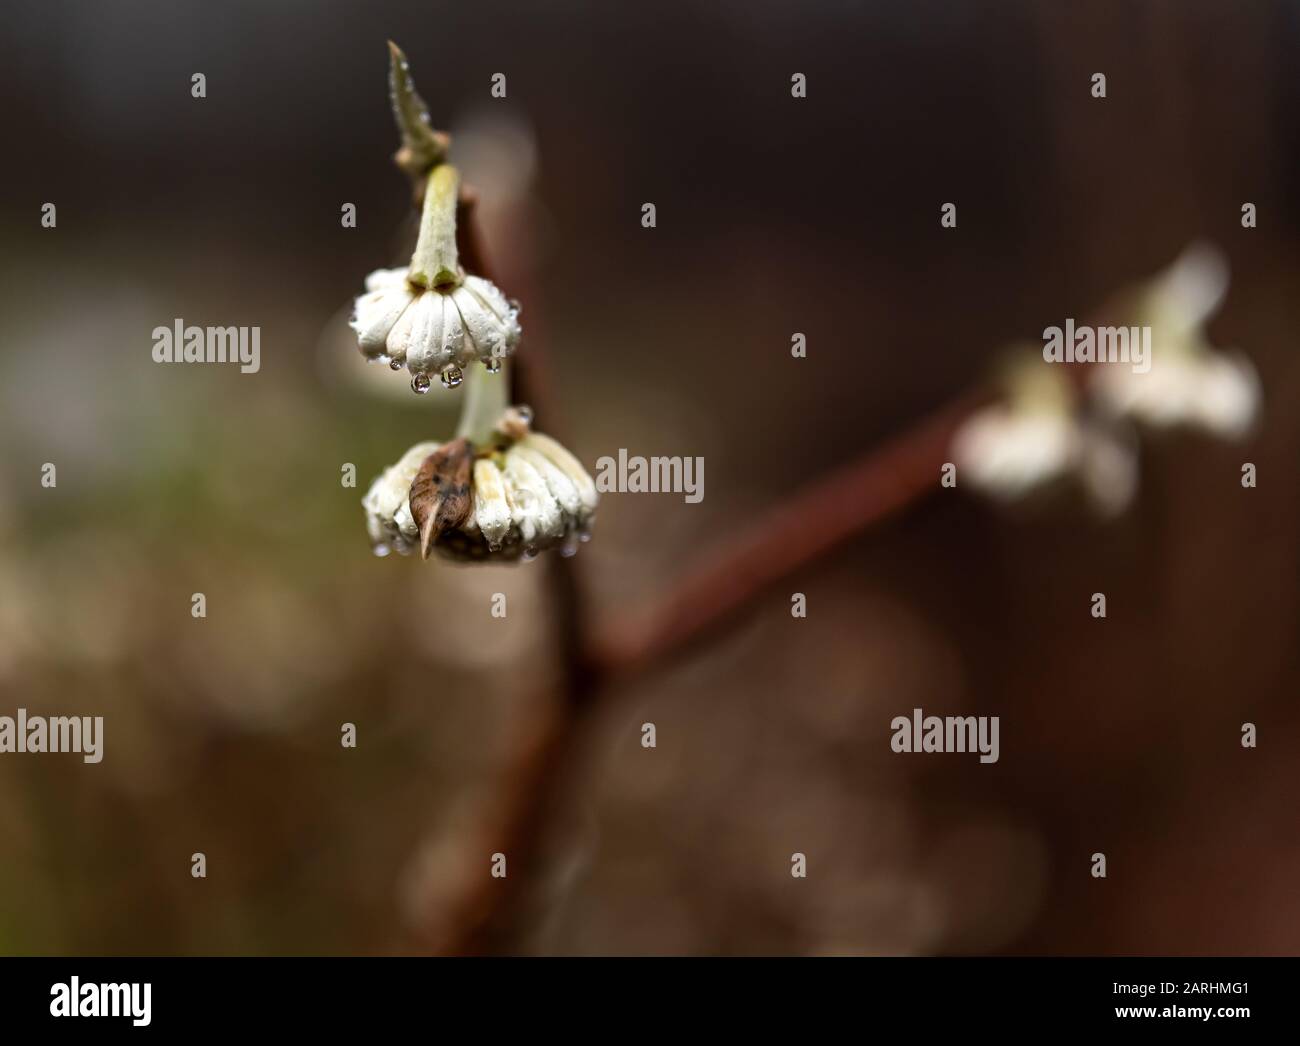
(483, 918)
(805, 529)
(793, 536)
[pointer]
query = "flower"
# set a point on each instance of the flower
(432, 316)
(1213, 391)
(1036, 436)
(1189, 383)
(517, 494)
(1008, 452)
(437, 329)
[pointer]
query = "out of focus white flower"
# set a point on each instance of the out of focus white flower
(1189, 383)
(1199, 388)
(1035, 437)
(527, 493)
(1007, 452)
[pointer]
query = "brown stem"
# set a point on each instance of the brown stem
(484, 919)
(875, 487)
(878, 485)
(788, 539)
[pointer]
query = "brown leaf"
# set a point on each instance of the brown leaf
(440, 494)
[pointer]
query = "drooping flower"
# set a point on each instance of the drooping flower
(432, 317)
(434, 331)
(518, 494)
(1189, 383)
(1035, 437)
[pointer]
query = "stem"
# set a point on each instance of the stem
(435, 263)
(486, 398)
(792, 537)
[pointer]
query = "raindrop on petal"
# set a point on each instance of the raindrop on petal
(451, 376)
(420, 384)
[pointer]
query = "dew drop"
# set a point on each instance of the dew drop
(395, 364)
(525, 413)
(530, 552)
(381, 550)
(515, 307)
(452, 376)
(492, 365)
(420, 384)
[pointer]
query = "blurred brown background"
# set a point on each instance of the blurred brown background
(774, 215)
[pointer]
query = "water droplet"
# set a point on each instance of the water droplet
(530, 552)
(525, 413)
(420, 384)
(570, 546)
(395, 364)
(381, 550)
(584, 533)
(452, 376)
(515, 307)
(494, 546)
(492, 365)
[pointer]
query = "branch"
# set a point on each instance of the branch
(790, 538)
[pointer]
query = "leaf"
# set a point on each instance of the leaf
(440, 494)
(422, 146)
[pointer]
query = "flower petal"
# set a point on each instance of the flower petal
(375, 314)
(491, 508)
(408, 341)
(532, 505)
(568, 464)
(556, 479)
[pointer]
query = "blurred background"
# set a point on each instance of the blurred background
(774, 216)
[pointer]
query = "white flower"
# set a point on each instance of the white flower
(528, 494)
(1008, 452)
(434, 330)
(1189, 383)
(1035, 437)
(1214, 391)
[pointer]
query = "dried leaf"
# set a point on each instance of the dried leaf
(440, 494)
